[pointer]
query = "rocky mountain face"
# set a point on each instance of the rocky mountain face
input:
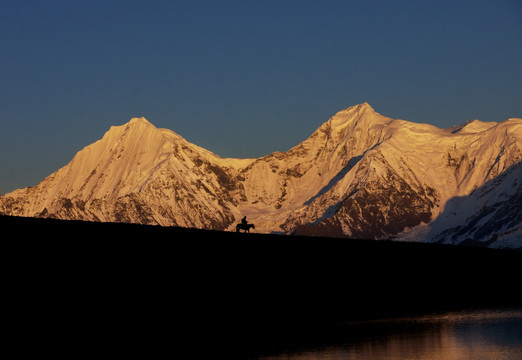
(360, 174)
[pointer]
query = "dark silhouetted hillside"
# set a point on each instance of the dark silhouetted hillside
(124, 282)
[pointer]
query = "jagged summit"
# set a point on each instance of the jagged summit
(353, 113)
(133, 123)
(360, 174)
(473, 126)
(345, 124)
(141, 120)
(142, 131)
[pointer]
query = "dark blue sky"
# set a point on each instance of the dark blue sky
(243, 78)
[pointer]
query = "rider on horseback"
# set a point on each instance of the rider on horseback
(244, 225)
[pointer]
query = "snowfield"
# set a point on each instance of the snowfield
(360, 174)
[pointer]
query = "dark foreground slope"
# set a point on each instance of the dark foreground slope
(142, 286)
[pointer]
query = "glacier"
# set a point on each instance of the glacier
(359, 175)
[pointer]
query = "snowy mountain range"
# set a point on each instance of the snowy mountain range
(360, 175)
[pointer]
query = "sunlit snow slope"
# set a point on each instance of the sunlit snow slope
(360, 174)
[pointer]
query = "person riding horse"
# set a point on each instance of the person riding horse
(244, 225)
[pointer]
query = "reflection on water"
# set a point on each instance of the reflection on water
(482, 335)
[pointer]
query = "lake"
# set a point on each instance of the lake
(469, 335)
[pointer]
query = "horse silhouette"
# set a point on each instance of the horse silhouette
(245, 227)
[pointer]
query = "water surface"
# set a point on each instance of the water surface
(471, 335)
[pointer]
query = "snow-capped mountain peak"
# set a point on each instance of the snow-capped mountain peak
(139, 120)
(361, 115)
(475, 126)
(360, 174)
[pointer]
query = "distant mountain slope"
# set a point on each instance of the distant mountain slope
(136, 173)
(490, 215)
(360, 174)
